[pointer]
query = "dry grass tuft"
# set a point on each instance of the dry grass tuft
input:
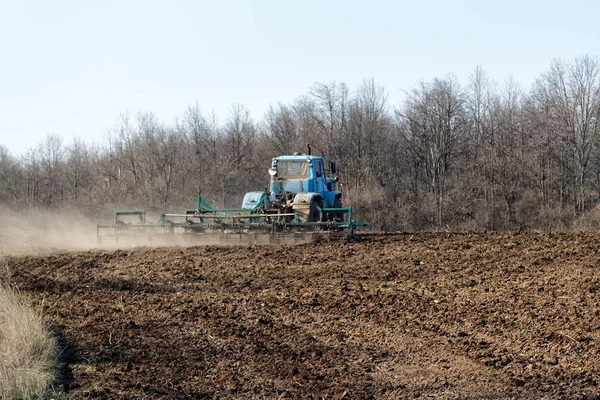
(27, 350)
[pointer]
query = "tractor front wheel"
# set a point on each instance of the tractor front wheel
(338, 216)
(315, 214)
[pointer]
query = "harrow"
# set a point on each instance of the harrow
(258, 225)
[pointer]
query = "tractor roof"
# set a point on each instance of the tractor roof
(297, 157)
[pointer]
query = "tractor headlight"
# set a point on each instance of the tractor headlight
(272, 171)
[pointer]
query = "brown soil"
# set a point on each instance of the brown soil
(451, 316)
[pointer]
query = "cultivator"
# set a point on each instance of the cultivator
(302, 204)
(230, 225)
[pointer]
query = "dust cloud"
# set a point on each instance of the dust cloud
(42, 232)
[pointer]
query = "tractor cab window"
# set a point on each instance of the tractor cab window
(292, 169)
(319, 168)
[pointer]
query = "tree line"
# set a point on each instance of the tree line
(475, 155)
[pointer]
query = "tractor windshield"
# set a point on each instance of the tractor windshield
(292, 169)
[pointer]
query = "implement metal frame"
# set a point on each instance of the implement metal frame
(259, 220)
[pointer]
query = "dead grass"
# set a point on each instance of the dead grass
(27, 350)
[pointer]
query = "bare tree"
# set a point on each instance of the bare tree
(363, 143)
(32, 172)
(281, 129)
(10, 178)
(78, 169)
(200, 137)
(240, 133)
(436, 122)
(568, 95)
(51, 162)
(330, 115)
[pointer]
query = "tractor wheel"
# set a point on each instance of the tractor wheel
(315, 215)
(338, 216)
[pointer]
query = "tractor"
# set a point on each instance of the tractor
(300, 189)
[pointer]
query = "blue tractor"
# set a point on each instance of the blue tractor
(301, 189)
(301, 198)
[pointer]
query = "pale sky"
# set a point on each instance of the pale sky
(71, 67)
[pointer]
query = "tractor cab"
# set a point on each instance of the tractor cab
(301, 175)
(299, 187)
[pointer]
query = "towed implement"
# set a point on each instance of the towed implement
(301, 202)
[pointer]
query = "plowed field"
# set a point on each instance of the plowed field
(451, 316)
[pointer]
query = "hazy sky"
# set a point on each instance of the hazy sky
(71, 67)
